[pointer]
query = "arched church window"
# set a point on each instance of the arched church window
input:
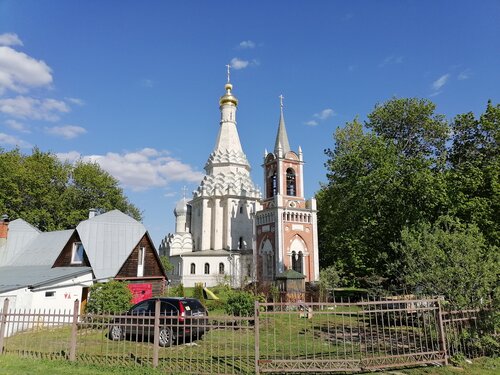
(193, 268)
(207, 269)
(290, 182)
(221, 268)
(272, 185)
(241, 244)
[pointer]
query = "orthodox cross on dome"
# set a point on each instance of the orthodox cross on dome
(184, 190)
(228, 72)
(281, 100)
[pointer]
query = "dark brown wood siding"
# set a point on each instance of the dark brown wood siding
(64, 258)
(152, 266)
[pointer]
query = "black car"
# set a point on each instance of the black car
(180, 319)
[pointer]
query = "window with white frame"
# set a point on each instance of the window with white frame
(77, 253)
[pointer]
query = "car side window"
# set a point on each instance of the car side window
(168, 308)
(142, 308)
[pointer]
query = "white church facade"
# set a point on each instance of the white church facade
(228, 232)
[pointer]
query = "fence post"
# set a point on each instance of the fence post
(257, 337)
(442, 337)
(3, 322)
(156, 341)
(74, 331)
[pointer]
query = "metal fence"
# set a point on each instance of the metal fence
(279, 338)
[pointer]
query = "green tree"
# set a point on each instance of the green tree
(448, 258)
(111, 297)
(473, 179)
(377, 184)
(51, 194)
(167, 266)
(329, 279)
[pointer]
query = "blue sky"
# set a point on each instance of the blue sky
(134, 85)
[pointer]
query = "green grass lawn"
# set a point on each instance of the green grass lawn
(14, 365)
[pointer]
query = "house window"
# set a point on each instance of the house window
(221, 268)
(50, 294)
(140, 261)
(77, 254)
(193, 268)
(290, 182)
(207, 269)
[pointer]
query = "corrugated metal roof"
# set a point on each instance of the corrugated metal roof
(44, 249)
(12, 278)
(20, 234)
(108, 240)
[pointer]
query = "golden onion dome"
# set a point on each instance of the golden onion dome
(228, 98)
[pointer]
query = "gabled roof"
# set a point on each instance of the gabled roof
(44, 249)
(20, 234)
(12, 278)
(108, 240)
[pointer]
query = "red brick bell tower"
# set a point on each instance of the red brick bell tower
(286, 227)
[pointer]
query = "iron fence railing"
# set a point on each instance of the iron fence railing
(279, 337)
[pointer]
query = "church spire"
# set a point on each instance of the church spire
(281, 147)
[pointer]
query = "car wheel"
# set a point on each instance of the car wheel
(165, 337)
(115, 333)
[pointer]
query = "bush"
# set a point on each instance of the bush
(215, 304)
(111, 297)
(240, 304)
(177, 291)
(198, 291)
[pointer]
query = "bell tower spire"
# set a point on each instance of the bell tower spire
(281, 146)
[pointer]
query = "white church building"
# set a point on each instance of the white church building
(228, 232)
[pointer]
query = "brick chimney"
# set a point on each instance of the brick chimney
(4, 227)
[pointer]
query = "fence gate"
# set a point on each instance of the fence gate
(348, 336)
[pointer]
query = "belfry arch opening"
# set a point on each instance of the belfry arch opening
(291, 185)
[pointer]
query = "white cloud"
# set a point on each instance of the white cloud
(16, 125)
(320, 116)
(435, 94)
(76, 101)
(464, 75)
(247, 44)
(14, 141)
(238, 64)
(66, 131)
(324, 114)
(10, 39)
(35, 109)
(311, 123)
(70, 157)
(391, 60)
(147, 83)
(142, 169)
(440, 82)
(20, 72)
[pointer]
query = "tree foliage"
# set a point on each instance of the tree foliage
(52, 194)
(448, 258)
(111, 297)
(240, 303)
(406, 166)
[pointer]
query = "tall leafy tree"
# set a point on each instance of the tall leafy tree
(51, 194)
(474, 174)
(378, 183)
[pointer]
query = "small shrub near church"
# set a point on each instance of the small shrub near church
(111, 297)
(240, 304)
(198, 292)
